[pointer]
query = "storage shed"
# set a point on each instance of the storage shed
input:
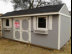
(47, 26)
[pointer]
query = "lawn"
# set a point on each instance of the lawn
(12, 47)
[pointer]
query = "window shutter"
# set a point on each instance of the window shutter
(50, 22)
(4, 23)
(34, 23)
(10, 22)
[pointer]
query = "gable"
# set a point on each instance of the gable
(64, 10)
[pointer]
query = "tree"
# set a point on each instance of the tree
(55, 2)
(29, 4)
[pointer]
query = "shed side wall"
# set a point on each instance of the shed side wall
(50, 40)
(64, 30)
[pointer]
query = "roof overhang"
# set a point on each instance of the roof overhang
(38, 14)
(28, 15)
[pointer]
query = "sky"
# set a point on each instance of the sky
(8, 6)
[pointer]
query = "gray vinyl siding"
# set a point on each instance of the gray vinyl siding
(50, 40)
(65, 30)
(64, 10)
(8, 34)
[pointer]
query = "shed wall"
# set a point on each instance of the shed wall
(65, 29)
(50, 40)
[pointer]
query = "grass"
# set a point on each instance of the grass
(12, 47)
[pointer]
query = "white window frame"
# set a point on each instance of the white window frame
(46, 23)
(4, 23)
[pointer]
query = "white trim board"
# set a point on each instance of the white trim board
(59, 25)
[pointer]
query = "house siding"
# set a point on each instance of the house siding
(50, 40)
(65, 29)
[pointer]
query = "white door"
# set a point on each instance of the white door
(22, 29)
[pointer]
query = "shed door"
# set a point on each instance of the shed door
(22, 29)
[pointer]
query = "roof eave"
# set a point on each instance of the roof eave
(28, 15)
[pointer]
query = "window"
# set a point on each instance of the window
(7, 22)
(42, 22)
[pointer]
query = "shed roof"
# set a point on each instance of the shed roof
(45, 9)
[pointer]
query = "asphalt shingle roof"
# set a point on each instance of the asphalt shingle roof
(45, 9)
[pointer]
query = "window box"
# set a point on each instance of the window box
(41, 31)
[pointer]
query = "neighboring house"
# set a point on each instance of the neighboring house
(47, 26)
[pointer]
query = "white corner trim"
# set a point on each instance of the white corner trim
(65, 15)
(30, 30)
(50, 22)
(20, 29)
(59, 25)
(13, 29)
